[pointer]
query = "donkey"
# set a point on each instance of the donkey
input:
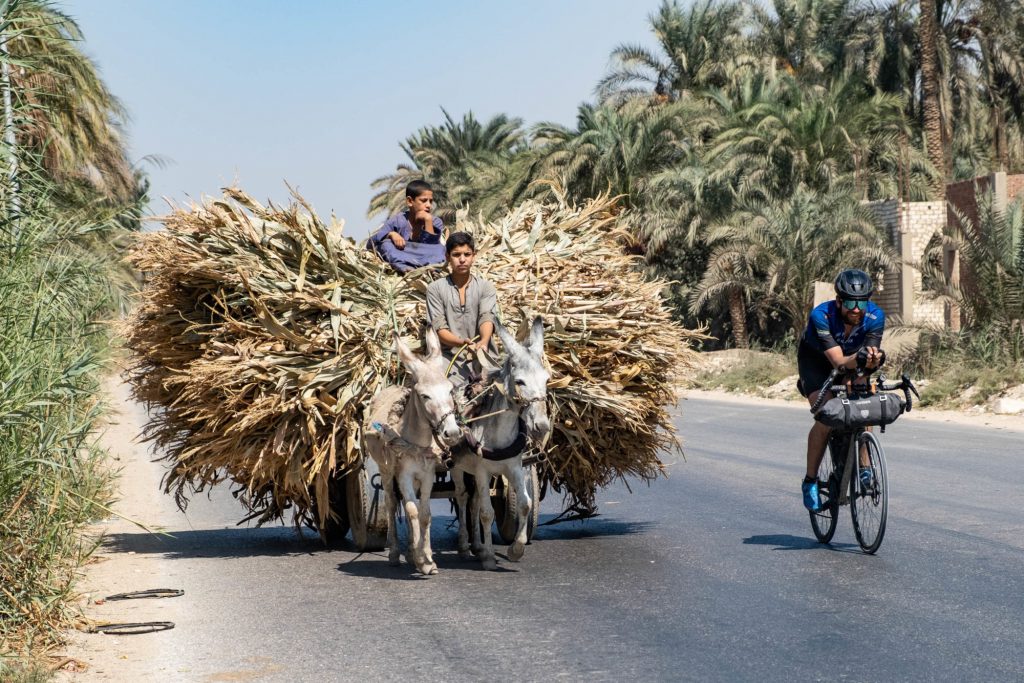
(514, 410)
(400, 428)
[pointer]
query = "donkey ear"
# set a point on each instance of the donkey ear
(433, 344)
(405, 354)
(507, 340)
(535, 344)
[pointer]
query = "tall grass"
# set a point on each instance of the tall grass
(58, 278)
(67, 195)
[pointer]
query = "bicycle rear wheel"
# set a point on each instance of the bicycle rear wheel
(869, 505)
(823, 522)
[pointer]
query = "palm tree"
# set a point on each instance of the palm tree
(696, 48)
(768, 254)
(450, 157)
(793, 134)
(66, 116)
(814, 40)
(613, 148)
(998, 28)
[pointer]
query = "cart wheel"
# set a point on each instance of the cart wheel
(504, 503)
(366, 514)
(334, 529)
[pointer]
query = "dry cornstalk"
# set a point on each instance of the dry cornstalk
(262, 333)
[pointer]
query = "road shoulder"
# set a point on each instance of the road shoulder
(1005, 422)
(111, 571)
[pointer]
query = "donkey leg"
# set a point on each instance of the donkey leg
(407, 486)
(462, 502)
(523, 502)
(486, 516)
(426, 552)
(391, 509)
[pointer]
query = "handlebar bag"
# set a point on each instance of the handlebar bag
(871, 411)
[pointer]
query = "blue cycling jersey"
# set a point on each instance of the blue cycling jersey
(826, 329)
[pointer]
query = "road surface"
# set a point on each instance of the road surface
(710, 574)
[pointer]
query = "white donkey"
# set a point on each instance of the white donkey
(405, 430)
(514, 410)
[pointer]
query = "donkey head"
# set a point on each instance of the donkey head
(431, 388)
(526, 379)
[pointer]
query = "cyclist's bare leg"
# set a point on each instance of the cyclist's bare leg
(865, 461)
(817, 439)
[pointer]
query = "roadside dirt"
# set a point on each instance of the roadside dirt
(1008, 422)
(113, 657)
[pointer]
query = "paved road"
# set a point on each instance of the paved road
(711, 574)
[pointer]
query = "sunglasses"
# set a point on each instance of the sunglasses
(859, 305)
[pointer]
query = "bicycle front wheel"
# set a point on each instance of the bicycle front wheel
(869, 494)
(823, 522)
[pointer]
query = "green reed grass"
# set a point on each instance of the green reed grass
(57, 280)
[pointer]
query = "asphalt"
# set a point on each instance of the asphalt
(709, 574)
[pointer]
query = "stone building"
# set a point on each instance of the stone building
(912, 225)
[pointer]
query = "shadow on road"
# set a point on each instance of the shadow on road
(246, 542)
(587, 528)
(375, 566)
(790, 542)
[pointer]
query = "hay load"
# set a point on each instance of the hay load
(262, 333)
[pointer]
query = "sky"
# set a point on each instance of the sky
(319, 94)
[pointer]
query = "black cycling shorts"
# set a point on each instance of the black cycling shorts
(813, 366)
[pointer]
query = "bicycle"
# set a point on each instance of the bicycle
(854, 470)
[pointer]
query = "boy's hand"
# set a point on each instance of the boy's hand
(397, 239)
(428, 221)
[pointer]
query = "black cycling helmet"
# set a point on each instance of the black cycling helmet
(854, 285)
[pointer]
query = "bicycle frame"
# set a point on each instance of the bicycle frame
(848, 464)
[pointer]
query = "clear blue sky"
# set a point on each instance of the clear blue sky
(320, 93)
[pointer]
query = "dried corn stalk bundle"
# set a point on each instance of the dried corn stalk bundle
(263, 332)
(614, 351)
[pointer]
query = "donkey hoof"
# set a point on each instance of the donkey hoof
(394, 559)
(489, 563)
(516, 551)
(465, 554)
(429, 569)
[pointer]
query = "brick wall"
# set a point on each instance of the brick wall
(922, 220)
(909, 226)
(1014, 187)
(888, 285)
(963, 196)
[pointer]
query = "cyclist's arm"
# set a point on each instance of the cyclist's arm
(838, 360)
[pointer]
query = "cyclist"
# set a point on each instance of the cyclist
(837, 332)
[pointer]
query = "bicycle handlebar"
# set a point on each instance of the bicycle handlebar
(905, 384)
(824, 390)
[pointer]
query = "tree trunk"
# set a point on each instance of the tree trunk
(738, 314)
(1002, 154)
(10, 140)
(931, 109)
(928, 34)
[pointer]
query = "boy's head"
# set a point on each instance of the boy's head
(460, 249)
(419, 196)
